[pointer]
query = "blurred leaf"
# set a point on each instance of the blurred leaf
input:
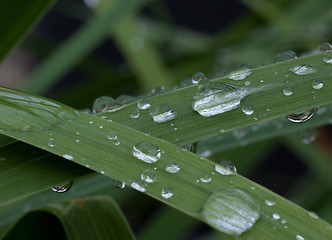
(84, 218)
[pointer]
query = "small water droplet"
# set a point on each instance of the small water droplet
(77, 140)
(197, 77)
(118, 184)
(228, 165)
(102, 172)
(303, 116)
(149, 176)
(284, 56)
(147, 151)
(327, 57)
(143, 104)
(51, 142)
(167, 193)
(232, 211)
(64, 187)
(270, 201)
(313, 215)
(276, 216)
(248, 109)
(325, 47)
(247, 83)
(299, 237)
(134, 114)
(283, 221)
(287, 91)
(139, 186)
(68, 156)
(309, 135)
(303, 69)
(112, 135)
(317, 84)
(239, 74)
(206, 178)
(191, 147)
(162, 113)
(172, 168)
(223, 170)
(217, 99)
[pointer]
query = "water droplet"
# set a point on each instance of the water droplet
(157, 91)
(325, 47)
(248, 109)
(239, 74)
(30, 113)
(217, 99)
(125, 99)
(186, 82)
(283, 221)
(313, 215)
(167, 193)
(147, 151)
(232, 211)
(162, 113)
(134, 113)
(299, 237)
(317, 84)
(327, 57)
(102, 172)
(276, 216)
(287, 91)
(303, 116)
(247, 83)
(303, 69)
(149, 176)
(102, 104)
(143, 104)
(51, 142)
(225, 167)
(172, 168)
(270, 201)
(112, 135)
(139, 186)
(191, 147)
(118, 184)
(64, 187)
(309, 135)
(222, 170)
(197, 77)
(67, 156)
(206, 178)
(284, 56)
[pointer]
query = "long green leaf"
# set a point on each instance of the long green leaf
(16, 21)
(84, 218)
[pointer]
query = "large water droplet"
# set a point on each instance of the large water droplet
(287, 91)
(248, 109)
(134, 114)
(162, 113)
(217, 99)
(284, 56)
(303, 116)
(167, 193)
(206, 178)
(112, 135)
(197, 77)
(147, 151)
(139, 186)
(64, 187)
(232, 211)
(239, 74)
(327, 57)
(303, 69)
(317, 84)
(143, 104)
(118, 184)
(172, 168)
(102, 104)
(30, 113)
(276, 216)
(325, 47)
(149, 176)
(225, 167)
